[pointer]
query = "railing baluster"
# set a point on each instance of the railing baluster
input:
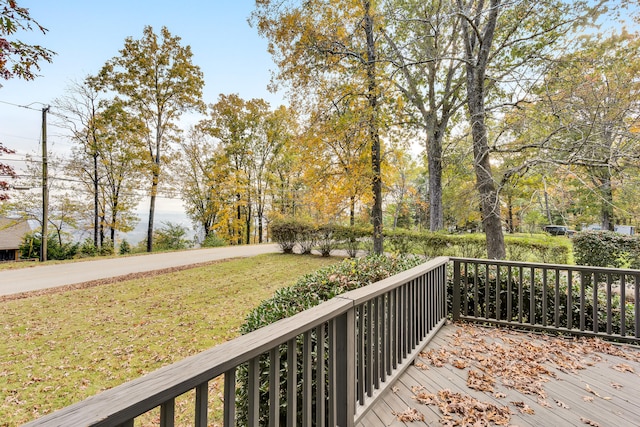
(636, 304)
(361, 354)
(457, 291)
(332, 353)
(369, 350)
(498, 304)
(345, 348)
(544, 296)
(623, 305)
(167, 413)
(292, 383)
(609, 304)
(594, 302)
(509, 294)
(520, 294)
(202, 405)
(570, 299)
(274, 387)
(583, 300)
(320, 376)
(230, 398)
(556, 308)
(532, 297)
(487, 287)
(307, 386)
(254, 391)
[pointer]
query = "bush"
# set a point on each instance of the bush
(285, 233)
(325, 239)
(170, 237)
(125, 247)
(606, 249)
(30, 247)
(353, 238)
(213, 241)
(87, 248)
(311, 290)
(400, 241)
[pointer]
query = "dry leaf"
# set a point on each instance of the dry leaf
(587, 398)
(395, 389)
(460, 364)
(499, 395)
(523, 408)
(623, 367)
(409, 415)
(616, 386)
(590, 390)
(426, 398)
(561, 404)
(589, 422)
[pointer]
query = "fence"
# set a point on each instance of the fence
(579, 300)
(322, 367)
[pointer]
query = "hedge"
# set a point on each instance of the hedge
(606, 249)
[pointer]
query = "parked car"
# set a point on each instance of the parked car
(558, 230)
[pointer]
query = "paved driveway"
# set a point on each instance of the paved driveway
(50, 276)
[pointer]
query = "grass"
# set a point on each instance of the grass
(61, 348)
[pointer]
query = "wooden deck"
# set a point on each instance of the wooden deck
(519, 379)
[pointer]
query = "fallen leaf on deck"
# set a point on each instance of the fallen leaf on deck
(616, 386)
(623, 367)
(410, 415)
(523, 408)
(587, 398)
(561, 404)
(589, 422)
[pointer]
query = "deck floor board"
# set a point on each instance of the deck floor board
(595, 393)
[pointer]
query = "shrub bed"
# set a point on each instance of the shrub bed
(311, 290)
(606, 249)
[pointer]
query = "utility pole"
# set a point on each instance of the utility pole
(45, 188)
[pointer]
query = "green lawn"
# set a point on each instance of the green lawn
(61, 348)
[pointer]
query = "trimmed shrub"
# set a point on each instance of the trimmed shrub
(325, 239)
(311, 290)
(606, 249)
(284, 232)
(353, 238)
(401, 242)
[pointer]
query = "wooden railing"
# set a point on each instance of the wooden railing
(344, 353)
(579, 300)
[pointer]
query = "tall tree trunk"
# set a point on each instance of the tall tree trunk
(152, 204)
(480, 39)
(434, 161)
(372, 98)
(95, 199)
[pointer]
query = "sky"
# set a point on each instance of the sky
(87, 33)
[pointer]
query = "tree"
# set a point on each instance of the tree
(322, 39)
(81, 107)
(587, 117)
(17, 58)
(507, 46)
(158, 82)
(203, 173)
(422, 42)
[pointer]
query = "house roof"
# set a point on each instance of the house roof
(12, 231)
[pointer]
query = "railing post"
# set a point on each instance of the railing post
(456, 300)
(345, 369)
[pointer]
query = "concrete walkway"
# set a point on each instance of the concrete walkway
(50, 276)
